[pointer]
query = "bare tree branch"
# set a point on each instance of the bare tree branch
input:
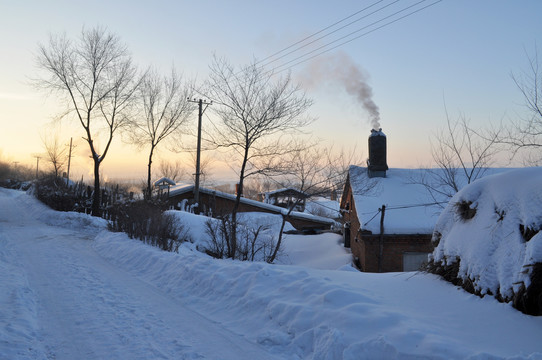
(55, 152)
(525, 134)
(461, 155)
(253, 107)
(96, 78)
(164, 110)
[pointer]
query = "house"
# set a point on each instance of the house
(285, 198)
(217, 203)
(388, 220)
(389, 214)
(388, 217)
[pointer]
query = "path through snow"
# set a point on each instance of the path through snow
(73, 304)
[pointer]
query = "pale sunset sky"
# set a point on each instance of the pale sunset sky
(457, 54)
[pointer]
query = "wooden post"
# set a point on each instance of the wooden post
(381, 239)
(201, 110)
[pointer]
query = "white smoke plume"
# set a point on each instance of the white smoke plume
(340, 69)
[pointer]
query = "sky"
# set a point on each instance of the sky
(453, 55)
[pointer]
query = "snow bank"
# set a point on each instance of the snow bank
(302, 313)
(323, 251)
(70, 219)
(494, 254)
(295, 312)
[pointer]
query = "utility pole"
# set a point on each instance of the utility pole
(198, 153)
(37, 165)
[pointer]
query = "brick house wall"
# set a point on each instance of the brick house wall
(348, 209)
(366, 248)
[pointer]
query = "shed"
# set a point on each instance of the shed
(388, 220)
(163, 184)
(285, 198)
(217, 203)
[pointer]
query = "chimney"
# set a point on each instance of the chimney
(376, 164)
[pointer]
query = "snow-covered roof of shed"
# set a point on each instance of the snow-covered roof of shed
(164, 181)
(409, 206)
(284, 190)
(182, 189)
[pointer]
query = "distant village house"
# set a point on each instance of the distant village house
(216, 203)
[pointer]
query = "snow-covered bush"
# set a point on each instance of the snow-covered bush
(487, 239)
(257, 233)
(255, 241)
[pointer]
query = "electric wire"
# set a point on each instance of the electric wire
(318, 32)
(274, 71)
(324, 36)
(400, 207)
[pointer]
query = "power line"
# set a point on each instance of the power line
(371, 219)
(398, 207)
(274, 70)
(318, 32)
(324, 36)
(416, 205)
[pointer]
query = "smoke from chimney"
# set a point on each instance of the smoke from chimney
(340, 69)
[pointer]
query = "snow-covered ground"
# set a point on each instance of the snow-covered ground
(69, 289)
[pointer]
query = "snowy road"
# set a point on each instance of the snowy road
(70, 303)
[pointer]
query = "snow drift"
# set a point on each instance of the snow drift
(70, 285)
(487, 239)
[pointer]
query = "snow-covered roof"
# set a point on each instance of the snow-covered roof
(164, 181)
(410, 208)
(182, 189)
(283, 190)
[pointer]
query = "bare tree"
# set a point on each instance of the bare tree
(205, 167)
(339, 163)
(313, 171)
(171, 170)
(461, 155)
(55, 152)
(165, 109)
(95, 76)
(255, 110)
(526, 133)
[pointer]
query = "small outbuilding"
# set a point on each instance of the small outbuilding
(163, 185)
(388, 221)
(285, 198)
(217, 203)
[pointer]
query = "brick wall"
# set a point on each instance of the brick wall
(367, 249)
(366, 246)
